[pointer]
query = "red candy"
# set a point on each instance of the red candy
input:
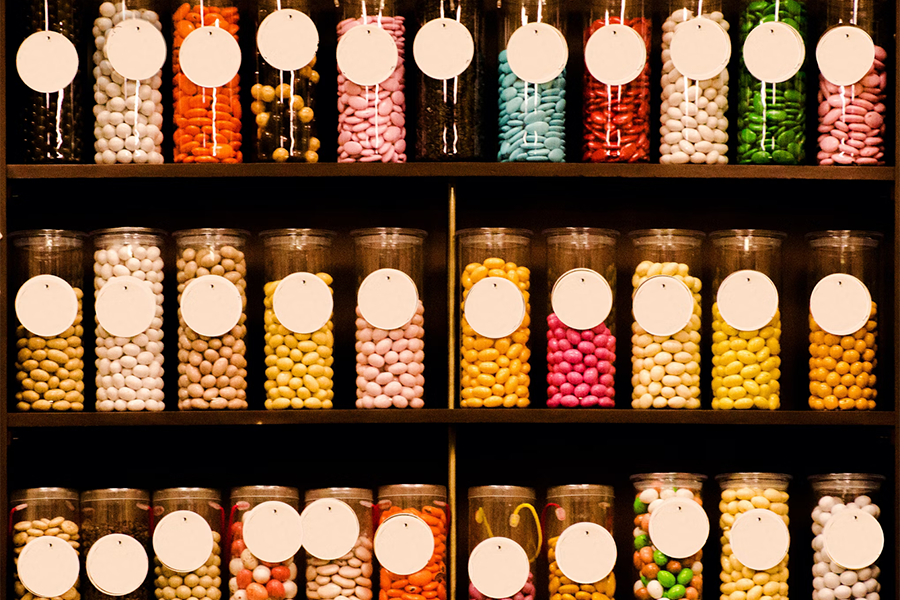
(580, 366)
(256, 591)
(275, 589)
(281, 573)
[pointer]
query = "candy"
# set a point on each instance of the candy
(259, 582)
(347, 577)
(580, 366)
(746, 365)
(526, 593)
(171, 584)
(429, 583)
(830, 580)
(26, 531)
(561, 586)
(841, 367)
(285, 118)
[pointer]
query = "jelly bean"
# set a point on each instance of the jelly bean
(349, 576)
(526, 593)
(26, 531)
(273, 581)
(172, 584)
(393, 586)
(593, 359)
(746, 365)
(830, 580)
(604, 589)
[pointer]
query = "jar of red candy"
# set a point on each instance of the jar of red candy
(617, 82)
(581, 345)
(852, 86)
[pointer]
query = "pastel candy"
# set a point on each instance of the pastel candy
(389, 364)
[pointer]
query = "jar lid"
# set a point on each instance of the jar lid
(501, 491)
(490, 232)
(127, 231)
(584, 490)
(686, 237)
(43, 493)
(211, 232)
(388, 237)
(264, 491)
(186, 493)
(562, 235)
(847, 482)
(412, 489)
(51, 238)
(774, 480)
(312, 237)
(340, 493)
(675, 479)
(844, 238)
(115, 494)
(724, 236)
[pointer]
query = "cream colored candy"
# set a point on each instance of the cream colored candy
(171, 585)
(25, 531)
(349, 576)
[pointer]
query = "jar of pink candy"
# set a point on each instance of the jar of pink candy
(389, 317)
(371, 82)
(852, 86)
(581, 344)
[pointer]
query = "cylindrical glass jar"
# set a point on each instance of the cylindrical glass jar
(578, 506)
(42, 512)
(746, 319)
(851, 494)
(115, 511)
(130, 359)
(357, 564)
(851, 113)
(532, 96)
(694, 103)
(298, 355)
(772, 111)
(616, 111)
(371, 101)
(581, 341)
(390, 317)
(128, 111)
(284, 94)
(844, 345)
(666, 374)
(765, 494)
(208, 119)
(656, 574)
(212, 367)
(449, 125)
(494, 351)
(48, 270)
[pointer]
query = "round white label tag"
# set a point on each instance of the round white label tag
(183, 541)
(774, 52)
(840, 304)
(615, 54)
(581, 299)
(287, 39)
(117, 564)
(125, 306)
(136, 49)
(48, 567)
(498, 567)
(443, 48)
(403, 544)
(211, 305)
(47, 61)
(586, 553)
(210, 57)
(46, 305)
(759, 539)
(845, 54)
(679, 527)
(662, 305)
(747, 300)
(537, 52)
(388, 298)
(367, 55)
(700, 48)
(273, 532)
(330, 528)
(303, 302)
(854, 539)
(494, 307)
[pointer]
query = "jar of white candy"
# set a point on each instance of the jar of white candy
(665, 357)
(746, 319)
(390, 347)
(848, 536)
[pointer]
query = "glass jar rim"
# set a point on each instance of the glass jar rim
(30, 237)
(580, 490)
(187, 493)
(491, 231)
(725, 479)
(848, 237)
(691, 236)
(97, 233)
(264, 491)
(412, 489)
(339, 493)
(43, 493)
(726, 234)
(501, 491)
(389, 231)
(668, 477)
(855, 482)
(605, 236)
(211, 231)
(115, 494)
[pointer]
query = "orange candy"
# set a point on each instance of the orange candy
(841, 367)
(429, 583)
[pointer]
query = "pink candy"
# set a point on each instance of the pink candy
(580, 366)
(389, 364)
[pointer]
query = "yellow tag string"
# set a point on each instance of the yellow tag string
(514, 521)
(481, 517)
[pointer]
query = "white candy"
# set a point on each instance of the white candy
(831, 581)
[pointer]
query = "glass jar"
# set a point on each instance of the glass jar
(390, 332)
(128, 108)
(371, 83)
(298, 350)
(772, 84)
(746, 319)
(851, 100)
(666, 304)
(50, 511)
(48, 269)
(694, 84)
(284, 93)
(763, 496)
(207, 110)
(121, 511)
(495, 328)
(532, 82)
(130, 357)
(616, 112)
(843, 320)
(658, 571)
(581, 510)
(212, 367)
(850, 574)
(581, 343)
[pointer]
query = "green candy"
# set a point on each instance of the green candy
(659, 558)
(666, 579)
(747, 136)
(675, 592)
(775, 115)
(760, 157)
(639, 507)
(644, 580)
(784, 139)
(782, 157)
(685, 576)
(641, 541)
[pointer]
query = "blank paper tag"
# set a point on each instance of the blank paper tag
(330, 528)
(537, 52)
(367, 55)
(581, 299)
(404, 544)
(498, 567)
(47, 61)
(845, 54)
(272, 531)
(774, 52)
(136, 49)
(303, 302)
(117, 564)
(840, 304)
(759, 539)
(494, 307)
(48, 567)
(700, 48)
(388, 299)
(662, 305)
(46, 305)
(125, 306)
(287, 39)
(443, 48)
(586, 553)
(854, 539)
(747, 300)
(210, 57)
(615, 54)
(183, 541)
(211, 305)
(679, 527)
